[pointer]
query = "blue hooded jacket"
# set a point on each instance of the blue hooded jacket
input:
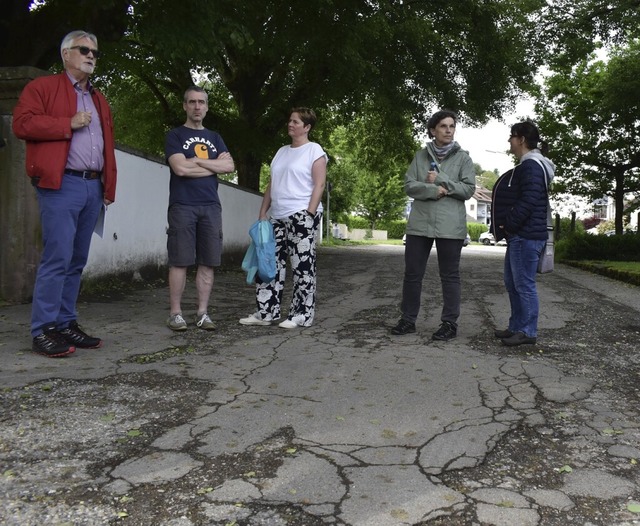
(520, 199)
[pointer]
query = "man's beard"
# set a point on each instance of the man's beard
(87, 68)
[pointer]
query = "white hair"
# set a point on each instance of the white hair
(68, 41)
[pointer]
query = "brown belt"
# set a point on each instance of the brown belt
(85, 175)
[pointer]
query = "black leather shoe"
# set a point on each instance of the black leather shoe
(403, 327)
(502, 334)
(446, 332)
(518, 338)
(76, 336)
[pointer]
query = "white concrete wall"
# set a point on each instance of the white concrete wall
(135, 225)
(360, 234)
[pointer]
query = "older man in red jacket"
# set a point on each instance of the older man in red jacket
(68, 128)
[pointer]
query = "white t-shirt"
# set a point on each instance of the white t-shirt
(291, 181)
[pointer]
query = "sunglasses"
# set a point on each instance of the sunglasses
(84, 50)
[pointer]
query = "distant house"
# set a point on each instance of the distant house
(605, 210)
(479, 206)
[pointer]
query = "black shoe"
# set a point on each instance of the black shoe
(502, 334)
(51, 344)
(76, 336)
(446, 332)
(518, 338)
(403, 327)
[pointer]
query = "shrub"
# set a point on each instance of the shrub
(395, 229)
(565, 227)
(358, 222)
(475, 229)
(591, 222)
(578, 246)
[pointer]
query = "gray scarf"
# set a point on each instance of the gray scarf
(442, 151)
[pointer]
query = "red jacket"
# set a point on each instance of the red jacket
(42, 118)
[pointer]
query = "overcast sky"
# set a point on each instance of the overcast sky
(488, 145)
(485, 146)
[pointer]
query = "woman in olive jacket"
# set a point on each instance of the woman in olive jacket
(519, 214)
(440, 179)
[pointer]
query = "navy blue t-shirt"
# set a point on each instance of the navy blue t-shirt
(205, 144)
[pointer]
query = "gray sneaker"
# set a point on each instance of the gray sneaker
(176, 322)
(204, 322)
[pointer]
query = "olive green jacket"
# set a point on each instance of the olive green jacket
(445, 217)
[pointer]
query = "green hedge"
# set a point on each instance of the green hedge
(396, 229)
(358, 222)
(475, 229)
(578, 247)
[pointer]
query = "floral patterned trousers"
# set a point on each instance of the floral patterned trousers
(295, 239)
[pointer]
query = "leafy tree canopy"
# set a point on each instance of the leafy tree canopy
(576, 28)
(258, 58)
(591, 113)
(31, 31)
(487, 179)
(371, 155)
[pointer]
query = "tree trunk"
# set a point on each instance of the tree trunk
(619, 202)
(248, 167)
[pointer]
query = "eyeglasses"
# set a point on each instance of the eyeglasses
(84, 50)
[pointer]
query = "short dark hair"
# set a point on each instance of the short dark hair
(307, 116)
(531, 135)
(197, 89)
(439, 116)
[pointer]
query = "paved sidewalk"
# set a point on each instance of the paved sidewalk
(340, 423)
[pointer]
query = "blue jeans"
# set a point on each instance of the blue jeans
(416, 255)
(520, 266)
(68, 217)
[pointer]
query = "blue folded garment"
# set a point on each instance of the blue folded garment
(260, 258)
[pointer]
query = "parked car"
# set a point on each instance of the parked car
(486, 238)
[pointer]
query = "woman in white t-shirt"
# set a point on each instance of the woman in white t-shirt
(294, 200)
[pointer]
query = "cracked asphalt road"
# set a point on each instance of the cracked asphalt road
(340, 423)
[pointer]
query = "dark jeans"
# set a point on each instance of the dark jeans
(416, 255)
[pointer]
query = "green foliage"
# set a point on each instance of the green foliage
(575, 247)
(371, 154)
(258, 58)
(30, 34)
(395, 229)
(574, 29)
(343, 177)
(382, 197)
(565, 227)
(357, 222)
(593, 121)
(141, 125)
(475, 229)
(487, 179)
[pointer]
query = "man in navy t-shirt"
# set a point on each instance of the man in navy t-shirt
(195, 156)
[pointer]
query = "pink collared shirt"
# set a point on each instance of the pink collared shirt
(87, 144)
